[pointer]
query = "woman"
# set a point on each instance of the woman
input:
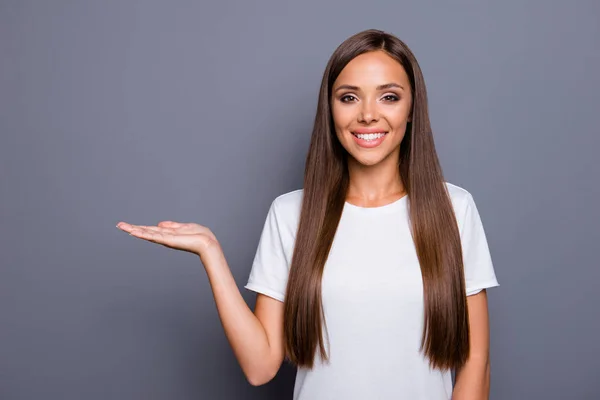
(371, 279)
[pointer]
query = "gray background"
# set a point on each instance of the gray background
(194, 111)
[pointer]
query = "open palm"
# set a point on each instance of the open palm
(190, 237)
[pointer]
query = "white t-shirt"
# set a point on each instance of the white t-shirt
(372, 293)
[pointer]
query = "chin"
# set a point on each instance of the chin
(366, 161)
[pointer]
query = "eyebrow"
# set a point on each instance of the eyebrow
(380, 87)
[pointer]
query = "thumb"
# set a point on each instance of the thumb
(169, 224)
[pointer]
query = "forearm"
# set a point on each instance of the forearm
(243, 329)
(473, 380)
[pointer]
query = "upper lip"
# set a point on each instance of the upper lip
(369, 130)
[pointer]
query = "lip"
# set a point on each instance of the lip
(369, 130)
(369, 144)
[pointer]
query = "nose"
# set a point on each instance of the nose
(368, 112)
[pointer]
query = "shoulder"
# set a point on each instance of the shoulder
(465, 209)
(288, 200)
(462, 201)
(459, 195)
(290, 203)
(286, 208)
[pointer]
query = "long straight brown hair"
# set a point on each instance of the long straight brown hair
(445, 338)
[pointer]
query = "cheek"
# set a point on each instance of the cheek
(342, 117)
(397, 119)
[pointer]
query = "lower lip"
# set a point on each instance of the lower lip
(368, 144)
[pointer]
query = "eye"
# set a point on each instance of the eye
(343, 98)
(391, 97)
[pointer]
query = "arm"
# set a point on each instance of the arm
(473, 379)
(256, 339)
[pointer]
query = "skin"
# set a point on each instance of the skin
(257, 338)
(473, 380)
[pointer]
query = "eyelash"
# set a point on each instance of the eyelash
(395, 98)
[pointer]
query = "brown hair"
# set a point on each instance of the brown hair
(445, 338)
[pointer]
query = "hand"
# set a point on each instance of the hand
(190, 237)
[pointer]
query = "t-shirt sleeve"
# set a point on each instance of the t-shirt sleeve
(270, 268)
(478, 267)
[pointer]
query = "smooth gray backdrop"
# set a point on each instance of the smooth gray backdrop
(202, 111)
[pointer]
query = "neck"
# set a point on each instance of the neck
(375, 183)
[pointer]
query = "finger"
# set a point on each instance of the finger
(170, 224)
(164, 239)
(181, 227)
(178, 225)
(152, 236)
(129, 227)
(124, 226)
(156, 228)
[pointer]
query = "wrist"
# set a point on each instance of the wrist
(212, 253)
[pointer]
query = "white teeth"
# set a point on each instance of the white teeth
(369, 136)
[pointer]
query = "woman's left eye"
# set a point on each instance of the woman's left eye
(350, 98)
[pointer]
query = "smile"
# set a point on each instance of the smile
(369, 140)
(369, 136)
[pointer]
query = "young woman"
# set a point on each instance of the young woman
(371, 279)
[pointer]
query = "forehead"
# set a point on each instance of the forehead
(372, 69)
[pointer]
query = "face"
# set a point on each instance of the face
(371, 103)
